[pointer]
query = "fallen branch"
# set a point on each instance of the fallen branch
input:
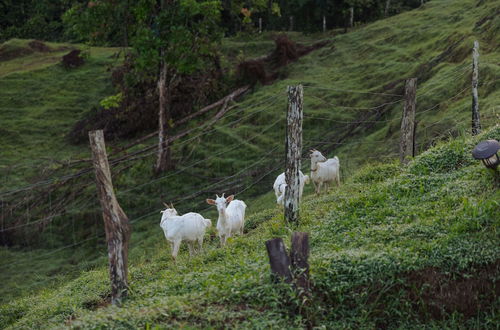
(222, 101)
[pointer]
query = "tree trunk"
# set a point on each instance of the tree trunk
(387, 4)
(351, 17)
(163, 161)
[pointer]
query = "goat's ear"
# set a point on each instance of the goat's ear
(229, 199)
(210, 201)
(166, 205)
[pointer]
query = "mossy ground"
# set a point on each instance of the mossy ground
(363, 235)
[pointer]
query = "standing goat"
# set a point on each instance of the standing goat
(279, 186)
(324, 171)
(231, 216)
(189, 227)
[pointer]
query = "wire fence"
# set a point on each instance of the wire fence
(271, 160)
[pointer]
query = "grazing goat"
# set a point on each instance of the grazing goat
(324, 171)
(231, 216)
(189, 227)
(280, 186)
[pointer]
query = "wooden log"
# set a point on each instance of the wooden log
(293, 150)
(279, 260)
(476, 124)
(116, 223)
(406, 144)
(298, 258)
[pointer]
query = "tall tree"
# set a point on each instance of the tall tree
(177, 37)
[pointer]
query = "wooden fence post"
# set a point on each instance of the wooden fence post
(298, 258)
(324, 23)
(291, 23)
(279, 260)
(351, 17)
(293, 146)
(116, 222)
(476, 124)
(260, 24)
(406, 144)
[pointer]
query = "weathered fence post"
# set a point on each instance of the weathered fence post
(116, 222)
(291, 23)
(278, 259)
(476, 124)
(298, 257)
(260, 24)
(293, 146)
(324, 23)
(351, 17)
(406, 144)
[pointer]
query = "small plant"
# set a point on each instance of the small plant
(112, 101)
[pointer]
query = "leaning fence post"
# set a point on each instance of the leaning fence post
(293, 149)
(279, 259)
(406, 143)
(476, 124)
(298, 257)
(116, 222)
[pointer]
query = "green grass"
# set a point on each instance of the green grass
(367, 238)
(40, 101)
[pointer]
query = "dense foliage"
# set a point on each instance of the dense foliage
(111, 22)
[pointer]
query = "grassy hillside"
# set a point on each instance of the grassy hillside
(391, 247)
(353, 104)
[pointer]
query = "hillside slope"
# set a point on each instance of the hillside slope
(392, 247)
(352, 108)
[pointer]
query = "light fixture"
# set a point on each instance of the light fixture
(487, 152)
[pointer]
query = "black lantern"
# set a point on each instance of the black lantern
(486, 151)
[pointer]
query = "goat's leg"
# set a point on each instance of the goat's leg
(319, 187)
(191, 248)
(175, 250)
(200, 243)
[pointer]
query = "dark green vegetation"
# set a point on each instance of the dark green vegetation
(110, 22)
(385, 235)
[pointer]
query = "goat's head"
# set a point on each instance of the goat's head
(220, 202)
(169, 211)
(316, 156)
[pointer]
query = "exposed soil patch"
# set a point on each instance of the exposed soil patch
(39, 46)
(73, 59)
(265, 69)
(444, 293)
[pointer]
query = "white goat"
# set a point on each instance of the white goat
(231, 216)
(324, 171)
(189, 227)
(280, 186)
